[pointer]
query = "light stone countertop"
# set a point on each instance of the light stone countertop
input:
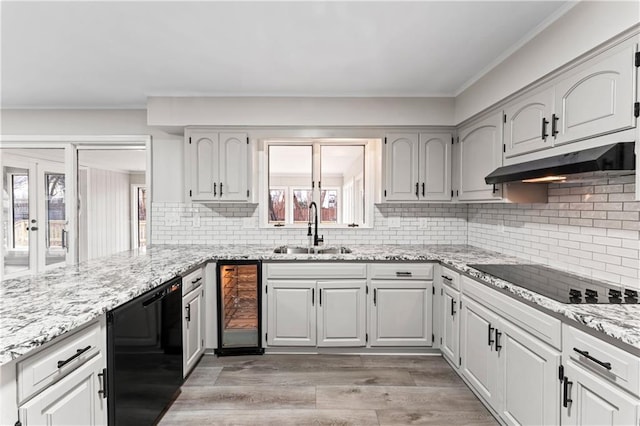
(36, 309)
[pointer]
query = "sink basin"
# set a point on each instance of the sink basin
(313, 250)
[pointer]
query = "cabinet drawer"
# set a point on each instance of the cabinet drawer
(624, 367)
(450, 277)
(541, 325)
(316, 270)
(192, 281)
(401, 270)
(48, 366)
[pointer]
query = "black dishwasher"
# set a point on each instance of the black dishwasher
(144, 355)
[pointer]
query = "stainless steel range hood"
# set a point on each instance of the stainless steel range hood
(615, 159)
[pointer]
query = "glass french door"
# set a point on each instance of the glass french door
(33, 212)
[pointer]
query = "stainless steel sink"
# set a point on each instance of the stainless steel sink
(313, 250)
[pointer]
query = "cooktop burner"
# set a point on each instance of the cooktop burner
(560, 286)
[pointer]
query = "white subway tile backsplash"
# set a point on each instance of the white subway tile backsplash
(592, 229)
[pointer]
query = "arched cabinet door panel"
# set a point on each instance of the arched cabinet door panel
(527, 125)
(401, 167)
(598, 99)
(435, 167)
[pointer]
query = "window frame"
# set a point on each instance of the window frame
(316, 143)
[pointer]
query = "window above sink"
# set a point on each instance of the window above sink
(335, 173)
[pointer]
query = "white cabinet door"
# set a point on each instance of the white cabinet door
(203, 166)
(192, 329)
(401, 167)
(598, 99)
(74, 400)
(401, 313)
(342, 313)
(528, 124)
(529, 384)
(234, 163)
(450, 324)
(480, 153)
(591, 401)
(479, 359)
(291, 315)
(435, 167)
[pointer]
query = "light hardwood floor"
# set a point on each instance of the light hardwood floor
(325, 390)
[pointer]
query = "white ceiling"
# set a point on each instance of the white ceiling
(115, 54)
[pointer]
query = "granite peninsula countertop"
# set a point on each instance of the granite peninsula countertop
(36, 309)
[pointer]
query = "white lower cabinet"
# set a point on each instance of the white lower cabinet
(514, 372)
(589, 400)
(192, 328)
(342, 313)
(401, 313)
(450, 323)
(291, 313)
(73, 400)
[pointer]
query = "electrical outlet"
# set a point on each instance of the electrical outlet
(173, 219)
(247, 223)
(423, 223)
(196, 221)
(393, 222)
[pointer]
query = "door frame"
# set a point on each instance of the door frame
(71, 144)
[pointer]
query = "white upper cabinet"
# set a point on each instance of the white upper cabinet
(527, 125)
(401, 167)
(597, 99)
(435, 167)
(480, 153)
(418, 167)
(234, 151)
(216, 166)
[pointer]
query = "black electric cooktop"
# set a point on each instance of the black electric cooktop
(560, 286)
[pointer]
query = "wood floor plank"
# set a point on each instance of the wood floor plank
(437, 377)
(270, 417)
(203, 376)
(412, 362)
(314, 377)
(426, 417)
(245, 397)
(390, 397)
(283, 360)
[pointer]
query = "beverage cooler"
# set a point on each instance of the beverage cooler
(239, 290)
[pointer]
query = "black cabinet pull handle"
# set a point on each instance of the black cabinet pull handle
(320, 297)
(313, 296)
(453, 306)
(495, 189)
(417, 189)
(498, 345)
(72, 357)
(565, 394)
(585, 354)
(196, 280)
(447, 278)
(489, 334)
(221, 189)
(374, 297)
(544, 129)
(423, 189)
(103, 387)
(403, 274)
(188, 309)
(215, 185)
(554, 125)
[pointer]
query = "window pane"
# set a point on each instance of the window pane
(290, 175)
(329, 203)
(142, 217)
(277, 205)
(301, 200)
(342, 176)
(20, 206)
(55, 218)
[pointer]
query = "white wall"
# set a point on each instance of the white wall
(108, 208)
(275, 111)
(582, 28)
